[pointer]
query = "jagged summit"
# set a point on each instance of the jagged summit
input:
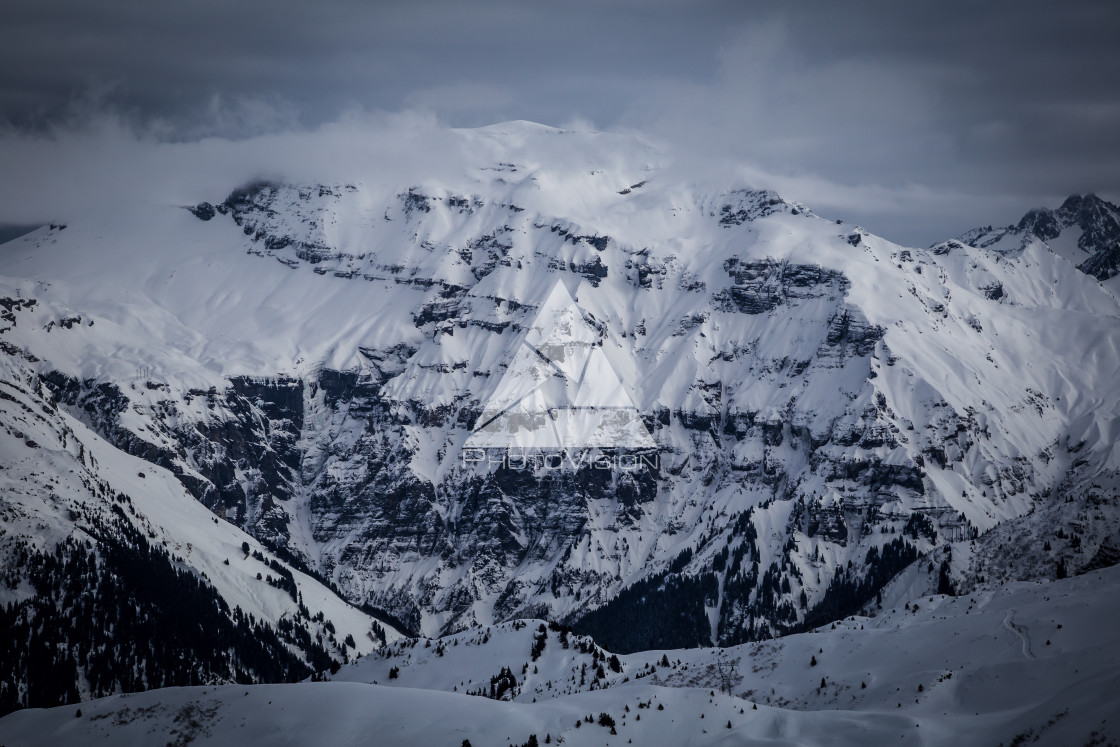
(1085, 207)
(1084, 229)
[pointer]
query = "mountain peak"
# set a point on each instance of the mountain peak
(1076, 207)
(1041, 222)
(1091, 223)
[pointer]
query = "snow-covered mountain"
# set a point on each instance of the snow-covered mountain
(1085, 230)
(828, 409)
(116, 578)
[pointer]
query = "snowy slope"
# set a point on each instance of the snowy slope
(1033, 662)
(61, 480)
(311, 359)
(968, 637)
(1084, 230)
(564, 662)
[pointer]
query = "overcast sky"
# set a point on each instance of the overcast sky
(918, 120)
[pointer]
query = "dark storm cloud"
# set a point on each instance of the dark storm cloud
(918, 119)
(175, 60)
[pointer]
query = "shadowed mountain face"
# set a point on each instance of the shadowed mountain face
(9, 231)
(1086, 229)
(826, 409)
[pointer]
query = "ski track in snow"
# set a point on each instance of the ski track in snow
(1020, 632)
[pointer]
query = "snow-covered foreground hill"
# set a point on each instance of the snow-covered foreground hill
(1034, 663)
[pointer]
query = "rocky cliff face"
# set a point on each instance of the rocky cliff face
(115, 579)
(1085, 228)
(827, 407)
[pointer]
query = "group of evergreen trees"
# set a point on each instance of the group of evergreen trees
(849, 591)
(667, 610)
(119, 616)
(284, 580)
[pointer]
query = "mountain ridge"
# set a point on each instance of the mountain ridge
(818, 392)
(1096, 224)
